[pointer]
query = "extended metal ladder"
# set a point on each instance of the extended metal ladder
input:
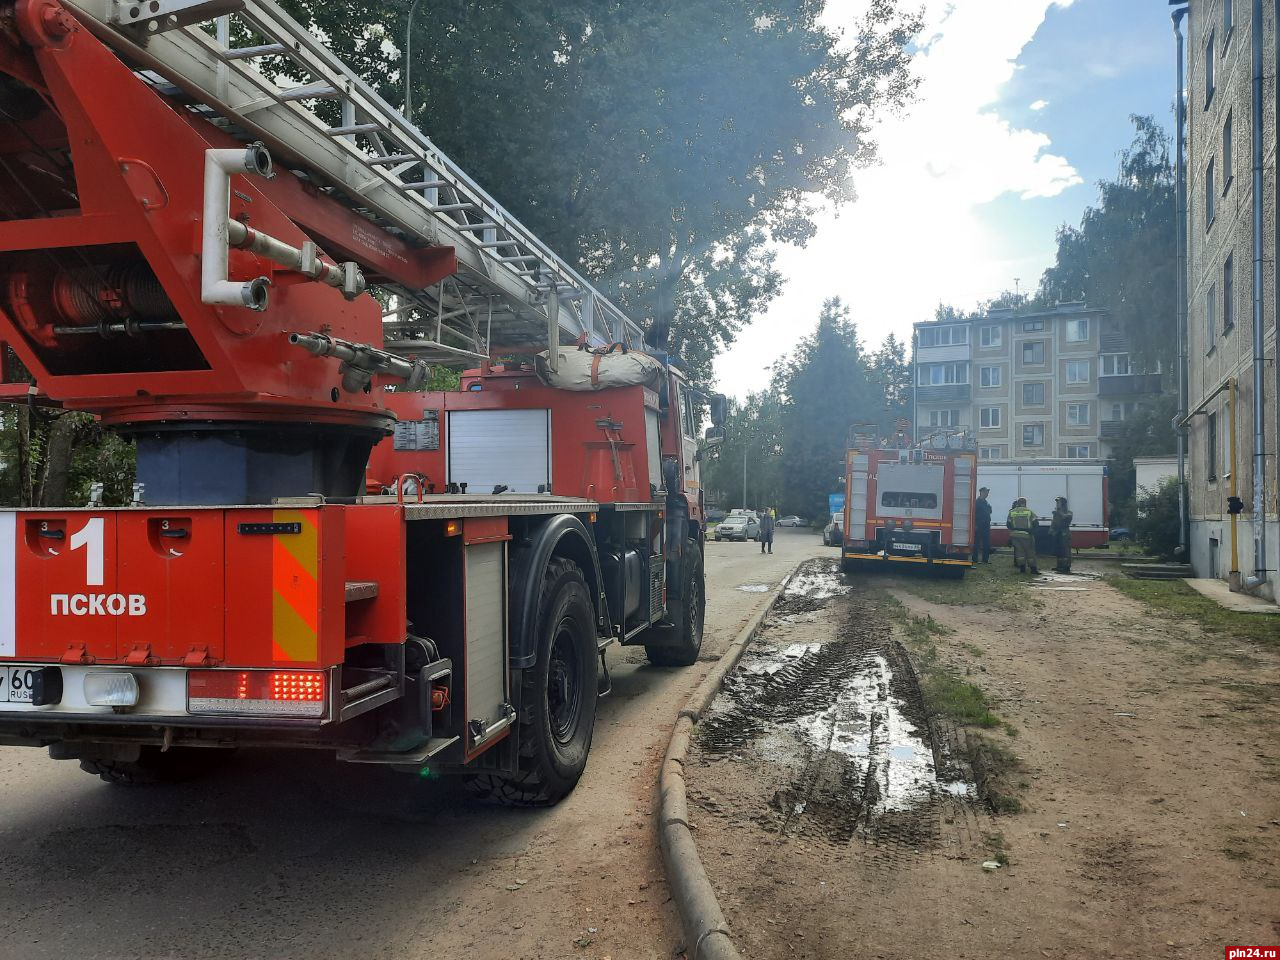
(250, 68)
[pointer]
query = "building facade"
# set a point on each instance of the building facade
(1225, 308)
(1028, 384)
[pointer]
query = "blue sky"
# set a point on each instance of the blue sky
(1023, 107)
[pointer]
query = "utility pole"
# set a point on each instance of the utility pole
(408, 67)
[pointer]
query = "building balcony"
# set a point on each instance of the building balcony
(1129, 385)
(946, 393)
(1111, 429)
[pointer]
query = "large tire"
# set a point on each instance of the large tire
(557, 698)
(687, 615)
(154, 767)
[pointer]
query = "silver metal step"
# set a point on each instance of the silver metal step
(375, 162)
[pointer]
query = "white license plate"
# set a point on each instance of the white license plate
(17, 685)
(907, 546)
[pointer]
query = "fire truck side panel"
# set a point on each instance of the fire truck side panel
(598, 440)
(375, 541)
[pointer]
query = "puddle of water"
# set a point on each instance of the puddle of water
(1051, 576)
(771, 661)
(865, 723)
(818, 582)
(755, 587)
(957, 788)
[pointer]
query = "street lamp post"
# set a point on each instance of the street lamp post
(408, 61)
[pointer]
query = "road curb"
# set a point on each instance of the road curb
(706, 931)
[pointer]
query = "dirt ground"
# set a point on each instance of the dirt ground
(836, 819)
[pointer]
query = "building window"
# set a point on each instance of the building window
(1212, 450)
(1228, 168)
(989, 376)
(1078, 371)
(1078, 451)
(1208, 72)
(1077, 414)
(989, 336)
(990, 453)
(1077, 331)
(1033, 352)
(1033, 394)
(1123, 411)
(1114, 365)
(1032, 326)
(944, 418)
(941, 374)
(1033, 435)
(1210, 195)
(989, 418)
(1228, 293)
(944, 336)
(1211, 316)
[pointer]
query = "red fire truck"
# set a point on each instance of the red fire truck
(910, 504)
(197, 201)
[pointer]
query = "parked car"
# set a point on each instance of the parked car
(715, 515)
(1121, 533)
(739, 525)
(793, 521)
(833, 533)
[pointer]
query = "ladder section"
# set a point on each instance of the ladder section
(257, 73)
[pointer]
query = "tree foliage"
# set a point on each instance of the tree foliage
(751, 454)
(1123, 255)
(662, 145)
(1156, 524)
(829, 385)
(50, 458)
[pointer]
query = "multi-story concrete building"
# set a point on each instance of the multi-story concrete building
(1230, 289)
(1051, 383)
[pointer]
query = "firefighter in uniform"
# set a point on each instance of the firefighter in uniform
(1060, 526)
(1022, 523)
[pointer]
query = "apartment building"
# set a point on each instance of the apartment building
(1028, 383)
(1231, 321)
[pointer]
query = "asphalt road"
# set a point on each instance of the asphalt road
(283, 855)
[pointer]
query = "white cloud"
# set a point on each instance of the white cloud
(914, 237)
(1039, 104)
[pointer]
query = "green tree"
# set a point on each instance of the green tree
(826, 388)
(50, 458)
(1156, 524)
(753, 437)
(890, 372)
(1123, 256)
(663, 145)
(1148, 433)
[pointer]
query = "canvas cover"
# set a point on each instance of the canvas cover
(587, 370)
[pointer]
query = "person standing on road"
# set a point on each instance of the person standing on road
(1022, 524)
(766, 530)
(1060, 526)
(982, 527)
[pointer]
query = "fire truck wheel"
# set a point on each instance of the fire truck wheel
(152, 766)
(687, 614)
(557, 698)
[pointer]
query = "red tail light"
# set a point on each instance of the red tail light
(257, 693)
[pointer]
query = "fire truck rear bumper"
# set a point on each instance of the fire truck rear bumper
(896, 558)
(41, 701)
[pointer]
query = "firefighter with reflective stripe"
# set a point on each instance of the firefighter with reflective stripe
(1060, 525)
(1022, 524)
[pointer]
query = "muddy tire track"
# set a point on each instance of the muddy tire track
(840, 723)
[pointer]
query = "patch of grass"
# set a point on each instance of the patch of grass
(1175, 598)
(1009, 729)
(995, 585)
(962, 702)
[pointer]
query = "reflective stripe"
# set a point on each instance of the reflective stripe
(295, 599)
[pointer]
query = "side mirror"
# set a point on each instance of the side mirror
(719, 409)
